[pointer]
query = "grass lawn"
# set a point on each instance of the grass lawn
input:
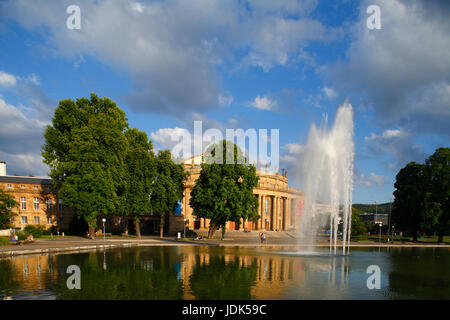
(397, 239)
(4, 241)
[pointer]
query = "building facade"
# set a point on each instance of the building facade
(279, 205)
(38, 204)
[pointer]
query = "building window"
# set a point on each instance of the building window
(61, 221)
(22, 187)
(266, 207)
(9, 186)
(49, 203)
(23, 220)
(36, 220)
(23, 203)
(60, 205)
(36, 203)
(35, 187)
(49, 220)
(11, 220)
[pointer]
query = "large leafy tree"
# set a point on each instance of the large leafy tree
(7, 203)
(224, 190)
(408, 211)
(85, 148)
(358, 225)
(168, 186)
(438, 195)
(139, 175)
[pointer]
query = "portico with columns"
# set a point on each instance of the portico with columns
(278, 204)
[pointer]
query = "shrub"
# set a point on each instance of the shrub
(4, 241)
(37, 231)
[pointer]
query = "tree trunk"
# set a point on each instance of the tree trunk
(415, 237)
(138, 228)
(91, 232)
(161, 226)
(212, 229)
(440, 237)
(223, 231)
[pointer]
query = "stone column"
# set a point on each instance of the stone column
(276, 213)
(288, 214)
(262, 214)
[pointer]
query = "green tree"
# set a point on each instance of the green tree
(438, 196)
(224, 190)
(139, 175)
(408, 211)
(358, 225)
(168, 186)
(7, 203)
(85, 149)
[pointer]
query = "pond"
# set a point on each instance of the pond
(207, 272)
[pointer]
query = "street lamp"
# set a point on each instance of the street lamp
(380, 224)
(104, 220)
(389, 221)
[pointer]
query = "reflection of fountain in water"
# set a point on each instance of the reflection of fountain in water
(344, 272)
(328, 174)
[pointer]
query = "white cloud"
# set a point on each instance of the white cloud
(7, 79)
(294, 148)
(378, 179)
(34, 79)
(403, 70)
(330, 93)
(20, 141)
(22, 126)
(171, 49)
(397, 143)
(225, 99)
(264, 103)
(372, 180)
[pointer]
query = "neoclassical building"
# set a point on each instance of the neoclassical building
(38, 204)
(279, 205)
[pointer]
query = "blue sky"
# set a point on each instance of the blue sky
(235, 64)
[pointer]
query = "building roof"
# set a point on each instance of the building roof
(25, 179)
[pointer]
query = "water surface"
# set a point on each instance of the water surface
(229, 273)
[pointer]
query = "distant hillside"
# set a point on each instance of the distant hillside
(382, 208)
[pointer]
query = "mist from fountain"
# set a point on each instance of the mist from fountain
(328, 176)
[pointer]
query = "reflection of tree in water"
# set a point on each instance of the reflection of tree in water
(223, 280)
(8, 282)
(420, 273)
(126, 274)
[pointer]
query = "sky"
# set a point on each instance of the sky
(246, 64)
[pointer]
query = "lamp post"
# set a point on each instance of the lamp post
(104, 220)
(380, 224)
(389, 221)
(185, 220)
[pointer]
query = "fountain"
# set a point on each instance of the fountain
(328, 177)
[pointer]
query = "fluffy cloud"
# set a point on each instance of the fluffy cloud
(402, 70)
(171, 49)
(330, 93)
(20, 141)
(7, 79)
(22, 126)
(399, 144)
(264, 103)
(373, 179)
